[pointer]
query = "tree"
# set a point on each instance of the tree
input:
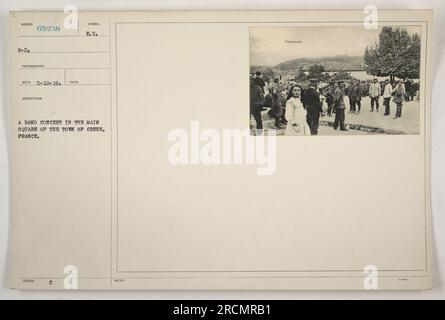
(316, 71)
(341, 75)
(267, 72)
(300, 75)
(397, 54)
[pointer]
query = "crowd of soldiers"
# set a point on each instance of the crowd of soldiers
(320, 99)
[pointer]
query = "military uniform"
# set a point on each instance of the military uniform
(312, 104)
(256, 103)
(339, 105)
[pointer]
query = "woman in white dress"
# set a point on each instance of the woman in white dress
(296, 114)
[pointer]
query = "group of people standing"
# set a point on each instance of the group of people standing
(298, 107)
(400, 91)
(294, 108)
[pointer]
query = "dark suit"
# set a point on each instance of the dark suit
(339, 105)
(311, 101)
(260, 83)
(330, 99)
(256, 103)
(355, 96)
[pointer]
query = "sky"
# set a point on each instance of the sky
(272, 45)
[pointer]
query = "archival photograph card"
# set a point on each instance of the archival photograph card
(151, 150)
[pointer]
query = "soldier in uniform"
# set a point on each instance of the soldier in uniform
(256, 103)
(339, 106)
(360, 88)
(355, 96)
(374, 92)
(330, 97)
(312, 104)
(258, 80)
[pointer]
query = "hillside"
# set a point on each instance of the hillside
(335, 63)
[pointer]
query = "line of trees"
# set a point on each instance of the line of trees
(319, 72)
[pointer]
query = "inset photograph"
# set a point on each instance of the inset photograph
(335, 80)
